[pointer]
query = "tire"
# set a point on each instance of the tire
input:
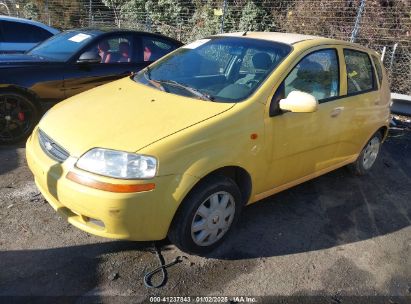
(199, 225)
(18, 117)
(368, 156)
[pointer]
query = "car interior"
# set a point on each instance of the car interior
(114, 50)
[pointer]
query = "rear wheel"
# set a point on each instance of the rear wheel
(368, 155)
(18, 116)
(206, 216)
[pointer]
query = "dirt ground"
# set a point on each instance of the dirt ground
(336, 236)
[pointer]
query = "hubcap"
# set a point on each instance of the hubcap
(213, 218)
(371, 153)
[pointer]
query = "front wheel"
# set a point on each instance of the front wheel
(18, 116)
(368, 155)
(206, 216)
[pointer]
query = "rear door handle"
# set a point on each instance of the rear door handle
(337, 111)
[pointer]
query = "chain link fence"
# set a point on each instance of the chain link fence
(383, 25)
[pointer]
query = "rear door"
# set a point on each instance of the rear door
(360, 102)
(154, 47)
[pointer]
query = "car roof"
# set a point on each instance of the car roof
(32, 22)
(291, 38)
(99, 31)
(287, 38)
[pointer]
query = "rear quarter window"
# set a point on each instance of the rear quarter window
(360, 73)
(377, 63)
(154, 48)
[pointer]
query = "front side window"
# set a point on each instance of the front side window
(222, 69)
(316, 74)
(359, 71)
(116, 49)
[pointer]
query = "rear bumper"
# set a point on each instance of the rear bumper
(134, 216)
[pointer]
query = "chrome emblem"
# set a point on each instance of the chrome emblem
(48, 146)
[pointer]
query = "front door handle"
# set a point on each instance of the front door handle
(337, 111)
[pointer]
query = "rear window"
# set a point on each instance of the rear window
(377, 64)
(17, 32)
(359, 71)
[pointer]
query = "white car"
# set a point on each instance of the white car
(18, 35)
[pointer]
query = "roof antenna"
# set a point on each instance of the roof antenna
(245, 33)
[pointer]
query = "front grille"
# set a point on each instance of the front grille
(51, 148)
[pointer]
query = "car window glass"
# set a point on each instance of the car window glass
(155, 48)
(211, 68)
(316, 74)
(250, 66)
(18, 32)
(255, 64)
(116, 49)
(63, 46)
(377, 64)
(359, 71)
(214, 60)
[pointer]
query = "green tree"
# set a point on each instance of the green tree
(168, 16)
(254, 18)
(115, 6)
(31, 11)
(134, 15)
(204, 22)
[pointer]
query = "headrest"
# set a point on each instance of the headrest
(309, 68)
(262, 61)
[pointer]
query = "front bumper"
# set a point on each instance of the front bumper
(138, 216)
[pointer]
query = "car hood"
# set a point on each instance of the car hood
(123, 115)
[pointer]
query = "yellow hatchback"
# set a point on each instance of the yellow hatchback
(178, 149)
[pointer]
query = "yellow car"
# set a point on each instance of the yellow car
(178, 149)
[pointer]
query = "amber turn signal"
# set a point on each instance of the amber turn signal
(121, 188)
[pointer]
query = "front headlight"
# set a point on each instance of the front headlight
(118, 164)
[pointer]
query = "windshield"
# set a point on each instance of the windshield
(62, 46)
(223, 69)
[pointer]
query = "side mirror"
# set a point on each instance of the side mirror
(299, 102)
(89, 57)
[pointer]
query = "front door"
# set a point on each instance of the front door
(118, 59)
(305, 143)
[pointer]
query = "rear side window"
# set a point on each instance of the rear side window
(316, 74)
(359, 71)
(154, 48)
(377, 64)
(17, 32)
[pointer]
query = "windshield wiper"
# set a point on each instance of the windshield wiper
(155, 83)
(193, 91)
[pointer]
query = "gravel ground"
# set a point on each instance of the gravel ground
(336, 236)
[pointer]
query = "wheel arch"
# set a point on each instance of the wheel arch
(23, 91)
(239, 175)
(383, 131)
